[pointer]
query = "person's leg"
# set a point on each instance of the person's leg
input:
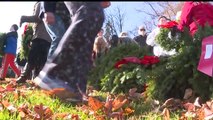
(56, 31)
(42, 53)
(25, 74)
(4, 68)
(71, 61)
(13, 66)
(30, 65)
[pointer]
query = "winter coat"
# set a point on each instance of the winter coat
(141, 40)
(11, 43)
(38, 26)
(157, 49)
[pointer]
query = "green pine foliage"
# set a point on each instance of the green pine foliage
(2, 42)
(127, 77)
(179, 72)
(104, 76)
(25, 43)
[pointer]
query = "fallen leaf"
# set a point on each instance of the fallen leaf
(84, 108)
(128, 111)
(188, 93)
(210, 105)
(133, 94)
(117, 115)
(166, 114)
(189, 106)
(94, 103)
(171, 102)
(100, 117)
(132, 91)
(10, 87)
(208, 113)
(9, 106)
(43, 112)
(5, 103)
(200, 114)
(23, 110)
(22, 114)
(75, 117)
(60, 115)
(2, 89)
(118, 102)
(61, 93)
(108, 106)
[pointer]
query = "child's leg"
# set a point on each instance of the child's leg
(5, 64)
(13, 66)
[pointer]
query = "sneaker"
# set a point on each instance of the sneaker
(60, 88)
(21, 79)
(50, 84)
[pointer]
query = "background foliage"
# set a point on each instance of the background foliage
(169, 78)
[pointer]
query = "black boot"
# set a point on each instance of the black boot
(26, 73)
(36, 71)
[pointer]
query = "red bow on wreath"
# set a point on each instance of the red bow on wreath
(25, 28)
(146, 60)
(169, 24)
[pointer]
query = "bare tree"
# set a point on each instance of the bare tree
(119, 19)
(133, 32)
(114, 22)
(157, 9)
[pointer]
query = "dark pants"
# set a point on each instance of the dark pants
(38, 55)
(72, 59)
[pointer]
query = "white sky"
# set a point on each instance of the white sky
(11, 13)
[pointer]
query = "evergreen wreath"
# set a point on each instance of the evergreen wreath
(25, 42)
(2, 43)
(168, 41)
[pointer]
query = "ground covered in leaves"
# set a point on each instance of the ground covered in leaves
(28, 102)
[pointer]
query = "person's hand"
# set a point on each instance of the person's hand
(21, 21)
(49, 18)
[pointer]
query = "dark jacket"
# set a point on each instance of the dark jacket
(47, 7)
(141, 40)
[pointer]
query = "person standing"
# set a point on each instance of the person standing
(100, 46)
(10, 53)
(114, 40)
(151, 39)
(125, 39)
(70, 63)
(40, 45)
(141, 39)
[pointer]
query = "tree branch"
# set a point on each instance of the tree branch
(153, 9)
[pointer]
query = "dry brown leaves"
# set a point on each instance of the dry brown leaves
(115, 107)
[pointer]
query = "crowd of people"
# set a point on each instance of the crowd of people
(143, 39)
(66, 41)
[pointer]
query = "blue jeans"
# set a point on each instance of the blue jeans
(56, 31)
